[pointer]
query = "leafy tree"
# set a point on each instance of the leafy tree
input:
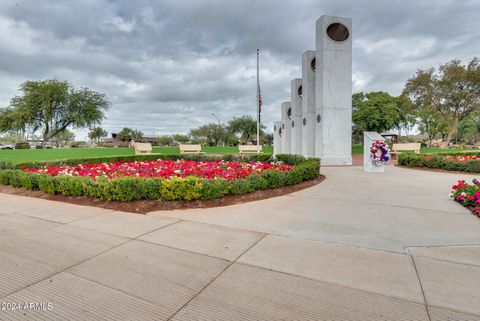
(13, 138)
(212, 134)
(245, 128)
(97, 133)
(63, 138)
(165, 140)
(448, 95)
(469, 128)
(182, 139)
(137, 135)
(375, 111)
(51, 106)
(127, 134)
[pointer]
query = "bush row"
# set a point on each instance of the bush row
(439, 161)
(136, 188)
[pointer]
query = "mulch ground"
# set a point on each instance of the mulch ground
(145, 206)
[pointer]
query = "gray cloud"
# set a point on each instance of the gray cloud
(167, 65)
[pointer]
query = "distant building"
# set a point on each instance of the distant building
(115, 142)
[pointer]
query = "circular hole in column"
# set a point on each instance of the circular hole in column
(337, 32)
(300, 91)
(304, 121)
(313, 65)
(289, 113)
(319, 118)
(293, 123)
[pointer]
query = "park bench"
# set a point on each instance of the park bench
(190, 149)
(249, 149)
(406, 147)
(142, 148)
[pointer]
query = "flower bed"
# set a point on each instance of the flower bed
(164, 168)
(450, 162)
(468, 195)
(136, 178)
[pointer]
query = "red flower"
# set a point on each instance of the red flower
(164, 168)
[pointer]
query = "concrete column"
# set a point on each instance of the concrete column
(333, 94)
(368, 165)
(277, 144)
(286, 127)
(296, 123)
(308, 103)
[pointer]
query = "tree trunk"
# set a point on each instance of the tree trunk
(45, 136)
(452, 131)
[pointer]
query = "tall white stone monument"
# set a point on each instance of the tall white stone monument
(333, 94)
(296, 121)
(277, 144)
(286, 127)
(308, 103)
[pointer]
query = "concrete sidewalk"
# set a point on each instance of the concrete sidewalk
(356, 247)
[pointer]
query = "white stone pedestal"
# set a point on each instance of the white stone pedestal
(368, 139)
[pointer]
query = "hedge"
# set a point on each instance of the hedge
(439, 161)
(175, 189)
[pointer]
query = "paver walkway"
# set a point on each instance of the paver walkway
(356, 247)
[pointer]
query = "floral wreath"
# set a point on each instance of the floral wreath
(379, 153)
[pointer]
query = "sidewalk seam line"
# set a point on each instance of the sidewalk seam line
(76, 264)
(421, 286)
(215, 278)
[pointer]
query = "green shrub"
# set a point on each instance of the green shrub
(290, 159)
(22, 145)
(187, 189)
(275, 179)
(152, 188)
(16, 178)
(240, 186)
(5, 175)
(127, 188)
(257, 182)
(29, 180)
(72, 185)
(214, 188)
(101, 189)
(439, 161)
(293, 176)
(46, 183)
(264, 158)
(473, 166)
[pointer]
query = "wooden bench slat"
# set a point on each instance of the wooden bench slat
(249, 149)
(397, 149)
(142, 148)
(190, 149)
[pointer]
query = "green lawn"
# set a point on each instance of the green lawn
(438, 150)
(24, 155)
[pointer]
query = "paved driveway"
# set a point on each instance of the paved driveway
(356, 247)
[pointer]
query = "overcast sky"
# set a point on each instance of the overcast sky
(167, 65)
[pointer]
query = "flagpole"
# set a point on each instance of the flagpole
(258, 103)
